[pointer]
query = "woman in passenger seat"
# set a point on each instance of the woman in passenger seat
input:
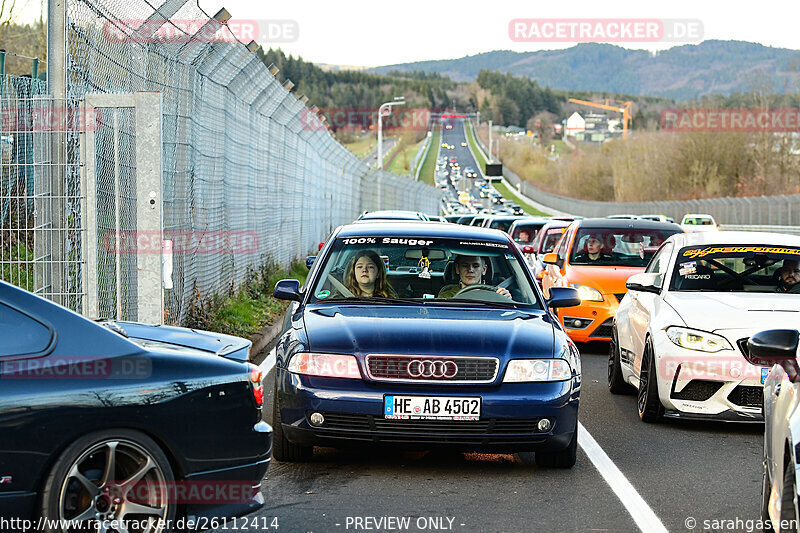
(366, 276)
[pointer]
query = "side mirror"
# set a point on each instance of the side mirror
(310, 261)
(527, 249)
(645, 282)
(772, 346)
(550, 259)
(563, 297)
(288, 289)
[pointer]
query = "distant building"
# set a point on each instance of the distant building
(596, 122)
(575, 124)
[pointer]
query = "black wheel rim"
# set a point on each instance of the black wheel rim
(116, 485)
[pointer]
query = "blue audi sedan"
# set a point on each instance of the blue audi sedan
(423, 335)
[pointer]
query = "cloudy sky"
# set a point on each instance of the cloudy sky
(372, 33)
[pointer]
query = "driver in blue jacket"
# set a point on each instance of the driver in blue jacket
(470, 270)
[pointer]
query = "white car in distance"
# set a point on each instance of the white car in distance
(696, 222)
(680, 333)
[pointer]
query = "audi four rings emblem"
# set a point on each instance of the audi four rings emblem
(429, 368)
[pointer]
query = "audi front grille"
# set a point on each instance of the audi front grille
(432, 369)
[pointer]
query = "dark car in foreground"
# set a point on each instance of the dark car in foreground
(461, 350)
(131, 423)
(778, 349)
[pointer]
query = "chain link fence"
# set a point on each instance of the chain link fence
(241, 158)
(735, 211)
(40, 231)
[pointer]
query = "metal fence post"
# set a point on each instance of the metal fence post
(57, 89)
(149, 201)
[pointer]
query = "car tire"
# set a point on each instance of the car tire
(789, 499)
(282, 449)
(89, 457)
(562, 459)
(616, 384)
(647, 400)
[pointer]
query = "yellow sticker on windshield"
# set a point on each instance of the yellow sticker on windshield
(702, 252)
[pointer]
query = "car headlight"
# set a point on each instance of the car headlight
(587, 293)
(693, 339)
(325, 365)
(521, 370)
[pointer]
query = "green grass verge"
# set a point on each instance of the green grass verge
(474, 145)
(20, 274)
(429, 164)
(402, 157)
(508, 194)
(247, 310)
(362, 146)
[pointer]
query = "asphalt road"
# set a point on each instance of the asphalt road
(371, 158)
(680, 470)
(463, 155)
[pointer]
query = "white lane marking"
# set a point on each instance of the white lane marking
(641, 513)
(268, 363)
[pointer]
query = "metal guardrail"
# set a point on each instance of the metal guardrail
(419, 159)
(791, 230)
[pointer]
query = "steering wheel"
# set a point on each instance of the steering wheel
(476, 287)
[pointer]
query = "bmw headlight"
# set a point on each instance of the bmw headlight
(587, 293)
(526, 370)
(693, 339)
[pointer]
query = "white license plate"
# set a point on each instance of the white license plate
(431, 408)
(764, 373)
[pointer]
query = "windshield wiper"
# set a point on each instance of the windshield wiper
(372, 300)
(481, 303)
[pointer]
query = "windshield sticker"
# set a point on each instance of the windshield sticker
(323, 294)
(405, 241)
(688, 268)
(489, 244)
(424, 265)
(702, 252)
(360, 240)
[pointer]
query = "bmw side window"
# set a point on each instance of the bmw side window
(658, 264)
(21, 334)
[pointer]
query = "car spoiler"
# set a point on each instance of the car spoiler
(227, 346)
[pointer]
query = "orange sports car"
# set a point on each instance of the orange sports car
(597, 256)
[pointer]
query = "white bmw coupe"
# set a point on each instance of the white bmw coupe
(680, 334)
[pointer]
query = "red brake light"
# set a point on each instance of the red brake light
(320, 246)
(256, 377)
